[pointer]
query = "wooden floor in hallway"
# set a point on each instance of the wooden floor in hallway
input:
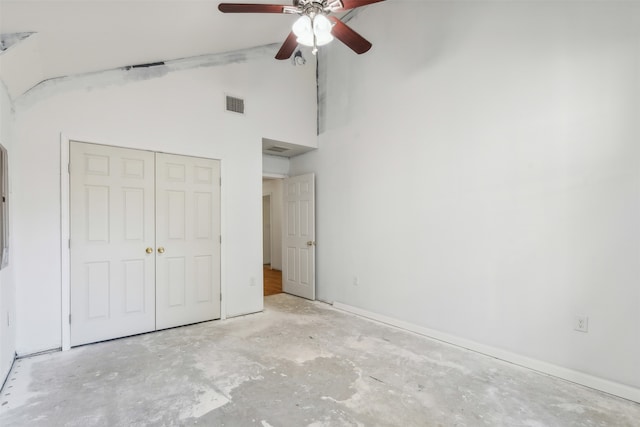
(272, 281)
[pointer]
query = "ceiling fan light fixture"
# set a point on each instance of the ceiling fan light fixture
(316, 25)
(305, 28)
(322, 29)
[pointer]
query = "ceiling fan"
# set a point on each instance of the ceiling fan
(315, 27)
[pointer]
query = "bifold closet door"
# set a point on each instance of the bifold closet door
(112, 242)
(145, 241)
(187, 240)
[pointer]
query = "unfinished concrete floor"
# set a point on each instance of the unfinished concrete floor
(298, 363)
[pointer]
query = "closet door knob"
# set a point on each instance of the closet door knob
(149, 250)
(161, 250)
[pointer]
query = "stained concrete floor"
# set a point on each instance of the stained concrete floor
(297, 364)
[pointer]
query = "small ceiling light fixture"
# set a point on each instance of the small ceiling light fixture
(313, 30)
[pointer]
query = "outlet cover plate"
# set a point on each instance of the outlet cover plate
(581, 324)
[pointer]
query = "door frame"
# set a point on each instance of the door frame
(65, 234)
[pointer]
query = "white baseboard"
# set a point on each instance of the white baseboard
(611, 387)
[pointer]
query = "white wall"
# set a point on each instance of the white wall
(7, 283)
(274, 165)
(479, 170)
(176, 109)
(273, 187)
(21, 65)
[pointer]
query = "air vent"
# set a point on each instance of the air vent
(235, 105)
(276, 149)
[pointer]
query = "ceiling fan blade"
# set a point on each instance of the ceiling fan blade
(288, 47)
(352, 4)
(255, 8)
(346, 35)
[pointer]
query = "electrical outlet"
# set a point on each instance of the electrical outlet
(356, 281)
(252, 281)
(581, 324)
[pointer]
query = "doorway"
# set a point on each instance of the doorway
(272, 235)
(291, 219)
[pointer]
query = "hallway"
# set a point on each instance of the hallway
(272, 281)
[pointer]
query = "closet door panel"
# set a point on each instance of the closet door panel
(111, 225)
(188, 240)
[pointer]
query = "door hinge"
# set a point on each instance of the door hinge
(69, 167)
(220, 297)
(220, 239)
(220, 181)
(69, 243)
(69, 319)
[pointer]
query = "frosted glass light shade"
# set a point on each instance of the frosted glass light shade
(304, 28)
(322, 28)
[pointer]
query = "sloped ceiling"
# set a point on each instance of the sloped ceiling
(91, 35)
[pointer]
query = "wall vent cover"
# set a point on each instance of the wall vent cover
(277, 149)
(235, 105)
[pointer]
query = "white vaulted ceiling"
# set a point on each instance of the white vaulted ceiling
(91, 35)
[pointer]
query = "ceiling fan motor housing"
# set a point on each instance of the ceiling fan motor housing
(308, 7)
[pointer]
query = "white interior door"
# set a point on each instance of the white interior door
(112, 240)
(188, 240)
(298, 270)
